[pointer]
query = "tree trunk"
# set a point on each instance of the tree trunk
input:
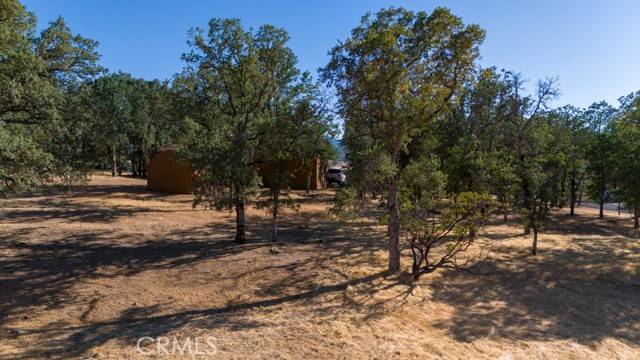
(563, 189)
(134, 167)
(580, 199)
(240, 222)
(505, 213)
(526, 199)
(274, 219)
(601, 214)
(114, 161)
(534, 247)
(308, 183)
(572, 201)
(145, 163)
(394, 226)
(143, 159)
(636, 217)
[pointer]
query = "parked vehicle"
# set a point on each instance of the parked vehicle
(336, 176)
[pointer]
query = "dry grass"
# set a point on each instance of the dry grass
(88, 273)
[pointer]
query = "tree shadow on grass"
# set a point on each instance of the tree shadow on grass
(580, 224)
(293, 283)
(43, 274)
(36, 211)
(34, 274)
(584, 294)
(65, 342)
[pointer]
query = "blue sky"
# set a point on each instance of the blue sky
(592, 46)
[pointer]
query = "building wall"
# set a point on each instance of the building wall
(167, 175)
(300, 176)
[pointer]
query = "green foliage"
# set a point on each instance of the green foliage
(131, 118)
(38, 75)
(24, 164)
(231, 89)
(626, 142)
(474, 139)
(394, 75)
(600, 150)
(346, 204)
(440, 229)
(422, 185)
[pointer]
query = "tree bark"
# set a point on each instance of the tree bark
(114, 162)
(534, 247)
(505, 213)
(394, 226)
(563, 183)
(572, 201)
(144, 160)
(636, 217)
(601, 214)
(580, 199)
(240, 222)
(526, 198)
(274, 219)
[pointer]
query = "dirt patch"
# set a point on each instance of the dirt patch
(86, 274)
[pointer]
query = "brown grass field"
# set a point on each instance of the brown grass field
(86, 274)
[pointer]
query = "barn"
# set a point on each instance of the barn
(302, 175)
(166, 174)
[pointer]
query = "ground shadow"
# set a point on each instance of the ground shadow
(42, 273)
(584, 294)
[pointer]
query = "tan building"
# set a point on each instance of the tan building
(166, 174)
(314, 175)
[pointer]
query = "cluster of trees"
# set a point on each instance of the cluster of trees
(436, 140)
(449, 141)
(247, 106)
(61, 114)
(240, 104)
(38, 72)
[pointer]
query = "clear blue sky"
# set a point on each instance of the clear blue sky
(592, 46)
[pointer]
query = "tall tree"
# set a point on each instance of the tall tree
(576, 156)
(394, 75)
(152, 125)
(537, 142)
(600, 150)
(626, 143)
(233, 78)
(112, 108)
(473, 141)
(297, 135)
